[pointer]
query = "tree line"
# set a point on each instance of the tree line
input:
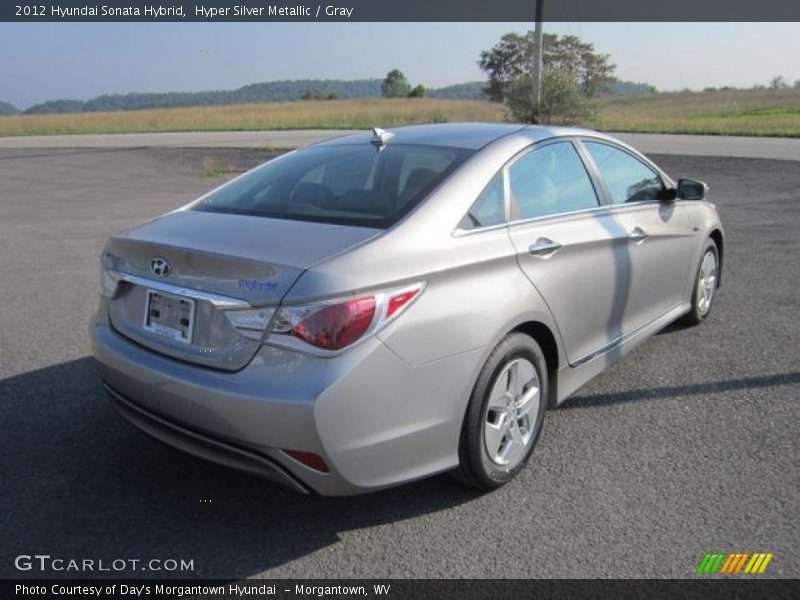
(272, 91)
(281, 91)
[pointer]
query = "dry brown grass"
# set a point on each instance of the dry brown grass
(334, 114)
(733, 112)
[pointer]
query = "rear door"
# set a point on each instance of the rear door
(658, 231)
(569, 245)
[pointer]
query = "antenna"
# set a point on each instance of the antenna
(380, 136)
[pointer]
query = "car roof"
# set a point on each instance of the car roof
(472, 136)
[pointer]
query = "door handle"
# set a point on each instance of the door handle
(638, 235)
(544, 248)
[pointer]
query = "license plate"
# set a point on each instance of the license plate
(169, 316)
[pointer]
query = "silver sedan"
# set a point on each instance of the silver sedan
(385, 306)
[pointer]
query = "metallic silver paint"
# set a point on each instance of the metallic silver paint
(390, 408)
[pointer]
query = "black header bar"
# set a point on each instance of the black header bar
(399, 10)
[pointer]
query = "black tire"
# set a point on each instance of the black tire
(696, 314)
(476, 467)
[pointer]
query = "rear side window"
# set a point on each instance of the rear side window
(627, 178)
(347, 184)
(550, 180)
(489, 208)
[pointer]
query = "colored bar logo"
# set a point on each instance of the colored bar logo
(734, 562)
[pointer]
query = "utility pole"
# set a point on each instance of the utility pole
(537, 57)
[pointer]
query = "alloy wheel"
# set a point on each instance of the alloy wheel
(511, 412)
(706, 282)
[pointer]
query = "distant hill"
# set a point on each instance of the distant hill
(461, 91)
(275, 91)
(56, 106)
(272, 91)
(8, 109)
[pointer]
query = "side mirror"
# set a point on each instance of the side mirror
(691, 189)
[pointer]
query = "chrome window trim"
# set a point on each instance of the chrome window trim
(459, 232)
(510, 224)
(219, 301)
(602, 194)
(573, 140)
(608, 207)
(572, 213)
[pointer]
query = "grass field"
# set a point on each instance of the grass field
(731, 112)
(333, 114)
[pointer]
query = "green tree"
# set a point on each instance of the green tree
(512, 58)
(417, 92)
(563, 101)
(778, 83)
(312, 95)
(395, 85)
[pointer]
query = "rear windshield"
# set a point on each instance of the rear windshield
(348, 184)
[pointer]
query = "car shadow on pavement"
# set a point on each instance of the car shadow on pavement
(80, 482)
(729, 385)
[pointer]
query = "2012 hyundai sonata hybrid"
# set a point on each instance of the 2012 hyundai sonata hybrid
(385, 306)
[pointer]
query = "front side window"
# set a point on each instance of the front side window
(550, 180)
(344, 184)
(628, 179)
(489, 208)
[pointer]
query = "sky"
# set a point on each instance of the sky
(48, 61)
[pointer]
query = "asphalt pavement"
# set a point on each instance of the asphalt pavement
(689, 445)
(655, 143)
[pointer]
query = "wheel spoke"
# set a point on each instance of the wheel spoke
(516, 434)
(494, 436)
(516, 446)
(528, 400)
(513, 383)
(498, 396)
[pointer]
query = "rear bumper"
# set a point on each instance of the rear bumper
(376, 420)
(202, 445)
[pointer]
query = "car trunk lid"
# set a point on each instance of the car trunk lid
(179, 275)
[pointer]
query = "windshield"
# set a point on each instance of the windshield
(346, 184)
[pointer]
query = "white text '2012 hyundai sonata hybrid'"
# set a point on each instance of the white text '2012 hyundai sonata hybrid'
(385, 306)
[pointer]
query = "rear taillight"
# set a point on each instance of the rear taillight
(331, 326)
(399, 301)
(338, 325)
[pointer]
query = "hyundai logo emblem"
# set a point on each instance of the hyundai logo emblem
(160, 266)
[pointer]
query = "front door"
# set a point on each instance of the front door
(570, 247)
(658, 232)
